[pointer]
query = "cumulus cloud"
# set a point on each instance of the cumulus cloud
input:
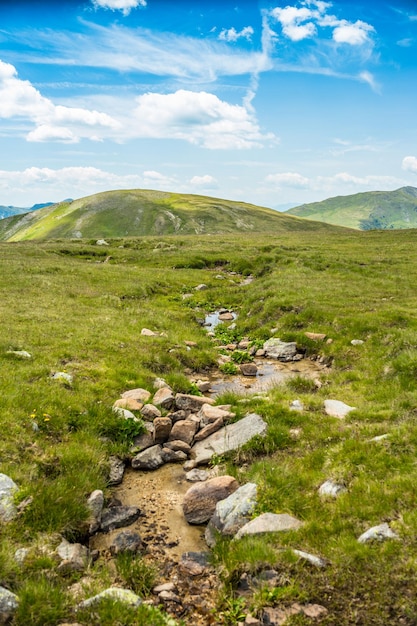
(233, 35)
(355, 34)
(19, 98)
(119, 5)
(410, 164)
(292, 18)
(199, 118)
(288, 179)
(204, 182)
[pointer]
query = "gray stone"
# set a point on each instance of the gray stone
(357, 342)
(124, 596)
(336, 408)
(173, 456)
(201, 287)
(21, 354)
(184, 430)
(296, 405)
(230, 437)
(209, 414)
(311, 558)
(74, 557)
(116, 471)
(95, 505)
(9, 603)
(378, 533)
(269, 523)
(126, 541)
(63, 377)
(125, 413)
(139, 394)
(331, 489)
(280, 350)
(8, 488)
(149, 459)
(248, 369)
(196, 475)
(162, 430)
(232, 513)
(189, 402)
(141, 442)
(178, 445)
(20, 555)
(203, 385)
(118, 516)
(150, 411)
(164, 397)
(145, 332)
(200, 500)
(209, 430)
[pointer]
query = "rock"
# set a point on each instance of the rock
(126, 541)
(203, 385)
(296, 405)
(178, 445)
(209, 414)
(230, 437)
(378, 533)
(196, 475)
(127, 415)
(380, 437)
(150, 411)
(140, 395)
(21, 354)
(9, 603)
(116, 471)
(248, 369)
(131, 404)
(201, 287)
(279, 616)
(163, 587)
(149, 459)
(169, 596)
(8, 488)
(74, 557)
(145, 332)
(63, 377)
(336, 408)
(101, 242)
(200, 500)
(177, 416)
(331, 489)
(227, 316)
(95, 505)
(162, 430)
(184, 430)
(20, 556)
(173, 456)
(164, 397)
(117, 517)
(315, 336)
(124, 596)
(194, 563)
(311, 558)
(232, 513)
(209, 430)
(191, 344)
(192, 403)
(357, 342)
(158, 383)
(269, 523)
(141, 442)
(280, 350)
(251, 621)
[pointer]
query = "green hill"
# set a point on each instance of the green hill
(132, 213)
(365, 211)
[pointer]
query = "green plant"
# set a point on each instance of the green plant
(137, 573)
(228, 368)
(233, 611)
(241, 356)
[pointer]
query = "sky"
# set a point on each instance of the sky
(271, 102)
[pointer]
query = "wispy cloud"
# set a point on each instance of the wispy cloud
(233, 35)
(204, 182)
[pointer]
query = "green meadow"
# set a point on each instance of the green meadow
(78, 308)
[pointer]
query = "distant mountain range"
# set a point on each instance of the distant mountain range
(365, 211)
(8, 211)
(136, 212)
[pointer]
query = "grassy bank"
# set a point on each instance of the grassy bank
(79, 308)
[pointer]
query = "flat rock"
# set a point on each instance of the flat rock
(131, 404)
(9, 603)
(184, 430)
(8, 488)
(311, 558)
(189, 402)
(273, 616)
(378, 533)
(209, 413)
(149, 459)
(230, 437)
(178, 445)
(173, 456)
(139, 394)
(146, 332)
(209, 430)
(200, 500)
(164, 397)
(118, 517)
(315, 336)
(150, 411)
(126, 541)
(336, 408)
(21, 354)
(280, 350)
(124, 596)
(196, 475)
(269, 523)
(232, 513)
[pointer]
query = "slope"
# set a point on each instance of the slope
(365, 211)
(130, 213)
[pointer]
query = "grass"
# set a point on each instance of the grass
(77, 314)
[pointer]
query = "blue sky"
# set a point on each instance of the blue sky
(272, 102)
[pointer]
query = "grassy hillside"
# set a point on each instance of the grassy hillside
(365, 211)
(140, 212)
(79, 308)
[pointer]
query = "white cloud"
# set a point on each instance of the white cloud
(119, 5)
(410, 164)
(369, 78)
(288, 179)
(199, 118)
(291, 19)
(204, 182)
(233, 35)
(354, 34)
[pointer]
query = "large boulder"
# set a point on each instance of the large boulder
(149, 459)
(232, 513)
(230, 437)
(200, 500)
